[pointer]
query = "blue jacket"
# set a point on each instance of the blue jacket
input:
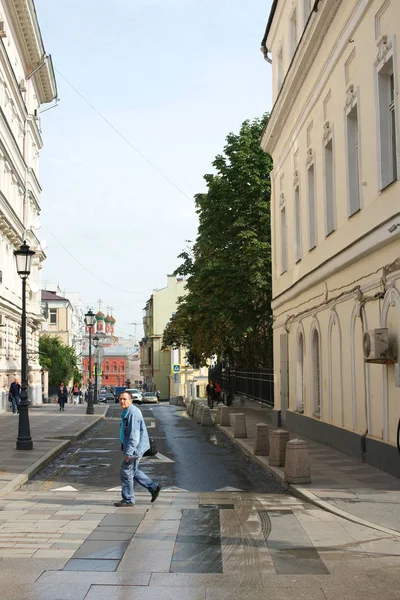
(136, 438)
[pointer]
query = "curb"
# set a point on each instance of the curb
(76, 436)
(22, 478)
(304, 494)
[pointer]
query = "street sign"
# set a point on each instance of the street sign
(176, 368)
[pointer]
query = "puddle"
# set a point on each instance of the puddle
(97, 451)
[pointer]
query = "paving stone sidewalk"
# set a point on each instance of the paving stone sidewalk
(192, 546)
(51, 431)
(339, 482)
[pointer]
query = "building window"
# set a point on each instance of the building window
(149, 355)
(300, 373)
(53, 316)
(283, 228)
(312, 230)
(107, 366)
(387, 86)
(330, 212)
(115, 367)
(121, 367)
(353, 168)
(297, 222)
(293, 33)
(316, 373)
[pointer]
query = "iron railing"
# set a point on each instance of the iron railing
(255, 384)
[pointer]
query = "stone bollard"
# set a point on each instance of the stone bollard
(200, 413)
(192, 407)
(225, 419)
(240, 426)
(196, 409)
(261, 445)
(277, 452)
(206, 418)
(297, 469)
(218, 415)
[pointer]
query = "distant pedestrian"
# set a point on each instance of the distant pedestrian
(210, 394)
(62, 395)
(134, 443)
(76, 393)
(14, 395)
(218, 390)
(158, 394)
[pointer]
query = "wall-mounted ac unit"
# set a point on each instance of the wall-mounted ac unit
(377, 347)
(2, 30)
(22, 85)
(2, 321)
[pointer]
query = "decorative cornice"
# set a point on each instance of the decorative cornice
(327, 134)
(309, 158)
(282, 201)
(296, 179)
(351, 96)
(383, 48)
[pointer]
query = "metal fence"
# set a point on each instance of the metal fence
(256, 384)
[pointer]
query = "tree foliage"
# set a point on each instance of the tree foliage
(227, 309)
(58, 359)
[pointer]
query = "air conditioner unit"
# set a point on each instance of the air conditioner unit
(2, 321)
(377, 347)
(2, 30)
(22, 85)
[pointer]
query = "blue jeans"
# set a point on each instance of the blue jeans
(15, 404)
(129, 473)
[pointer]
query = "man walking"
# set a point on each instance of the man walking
(134, 443)
(14, 394)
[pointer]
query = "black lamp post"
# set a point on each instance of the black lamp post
(23, 257)
(96, 340)
(90, 320)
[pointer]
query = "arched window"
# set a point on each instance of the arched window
(300, 373)
(115, 367)
(316, 373)
(122, 368)
(107, 366)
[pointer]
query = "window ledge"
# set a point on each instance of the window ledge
(387, 186)
(317, 414)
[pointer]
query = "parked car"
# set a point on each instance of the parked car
(150, 397)
(106, 398)
(137, 396)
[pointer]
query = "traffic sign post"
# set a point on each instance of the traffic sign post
(176, 369)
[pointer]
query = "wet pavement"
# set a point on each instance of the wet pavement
(235, 533)
(189, 457)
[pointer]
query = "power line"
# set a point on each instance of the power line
(83, 266)
(121, 135)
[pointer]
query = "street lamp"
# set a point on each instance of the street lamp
(90, 320)
(23, 257)
(96, 340)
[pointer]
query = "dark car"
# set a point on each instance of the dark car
(106, 398)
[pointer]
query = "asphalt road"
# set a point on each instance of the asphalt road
(190, 457)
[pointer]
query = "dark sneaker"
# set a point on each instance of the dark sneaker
(154, 493)
(122, 503)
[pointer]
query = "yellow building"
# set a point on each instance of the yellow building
(157, 365)
(335, 214)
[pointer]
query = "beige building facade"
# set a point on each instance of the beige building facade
(335, 213)
(156, 365)
(26, 83)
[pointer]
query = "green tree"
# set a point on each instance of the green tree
(58, 359)
(227, 309)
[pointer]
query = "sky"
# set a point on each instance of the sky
(173, 77)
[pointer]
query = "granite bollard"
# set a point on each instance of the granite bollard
(200, 413)
(225, 419)
(297, 468)
(261, 445)
(277, 451)
(240, 430)
(218, 415)
(206, 418)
